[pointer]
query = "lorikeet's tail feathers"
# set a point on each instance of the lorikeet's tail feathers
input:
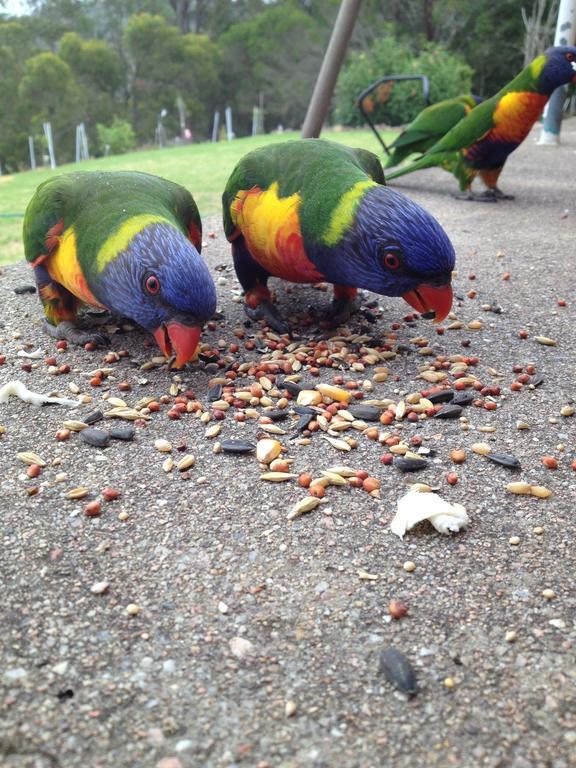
(417, 165)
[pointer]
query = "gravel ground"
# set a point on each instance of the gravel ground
(256, 641)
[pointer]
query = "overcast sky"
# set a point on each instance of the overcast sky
(14, 7)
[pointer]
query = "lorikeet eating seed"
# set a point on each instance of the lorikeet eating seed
(481, 142)
(128, 242)
(429, 126)
(312, 210)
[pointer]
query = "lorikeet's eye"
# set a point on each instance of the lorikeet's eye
(570, 56)
(152, 284)
(391, 258)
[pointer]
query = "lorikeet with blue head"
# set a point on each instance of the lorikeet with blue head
(481, 142)
(429, 126)
(311, 211)
(127, 242)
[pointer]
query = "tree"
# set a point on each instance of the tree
(277, 53)
(48, 92)
(165, 64)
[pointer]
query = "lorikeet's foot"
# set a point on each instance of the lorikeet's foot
(70, 332)
(267, 311)
(494, 193)
(340, 311)
(470, 196)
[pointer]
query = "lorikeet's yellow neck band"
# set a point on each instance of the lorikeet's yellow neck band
(120, 240)
(343, 215)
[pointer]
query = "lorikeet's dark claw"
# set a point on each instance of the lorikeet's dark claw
(495, 194)
(471, 197)
(267, 311)
(340, 311)
(70, 332)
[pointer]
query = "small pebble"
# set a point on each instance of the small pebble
(132, 609)
(514, 540)
(290, 708)
(510, 636)
(409, 566)
(100, 587)
(549, 594)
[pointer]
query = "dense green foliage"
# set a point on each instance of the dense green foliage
(104, 61)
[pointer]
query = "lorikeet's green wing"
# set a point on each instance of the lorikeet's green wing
(371, 164)
(469, 130)
(433, 122)
(44, 222)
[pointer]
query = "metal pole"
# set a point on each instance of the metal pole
(333, 58)
(32, 154)
(50, 140)
(215, 126)
(565, 35)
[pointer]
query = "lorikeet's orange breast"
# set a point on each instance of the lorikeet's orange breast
(270, 226)
(515, 115)
(63, 267)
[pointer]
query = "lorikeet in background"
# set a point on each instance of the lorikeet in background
(481, 142)
(128, 242)
(429, 126)
(312, 210)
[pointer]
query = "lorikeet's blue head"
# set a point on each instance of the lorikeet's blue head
(161, 282)
(396, 248)
(560, 68)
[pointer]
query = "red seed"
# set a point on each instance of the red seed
(51, 361)
(62, 344)
(64, 368)
(316, 490)
(110, 494)
(397, 609)
(523, 334)
(451, 478)
(516, 386)
(3, 360)
(95, 381)
(490, 406)
(153, 406)
(362, 474)
(523, 378)
(506, 276)
(124, 386)
(471, 294)
(531, 369)
(386, 459)
(89, 346)
(92, 509)
(173, 414)
(371, 484)
(549, 462)
(62, 434)
(304, 480)
(355, 482)
(34, 470)
(573, 465)
(561, 302)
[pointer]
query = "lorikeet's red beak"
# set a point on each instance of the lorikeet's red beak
(176, 338)
(428, 298)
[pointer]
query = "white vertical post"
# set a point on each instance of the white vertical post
(229, 131)
(48, 133)
(565, 35)
(84, 142)
(32, 153)
(216, 126)
(77, 144)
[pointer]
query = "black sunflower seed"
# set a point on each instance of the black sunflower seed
(537, 380)
(398, 671)
(96, 437)
(293, 388)
(275, 414)
(122, 433)
(215, 392)
(504, 459)
(365, 412)
(237, 446)
(21, 289)
(462, 398)
(441, 397)
(303, 410)
(449, 412)
(410, 465)
(93, 417)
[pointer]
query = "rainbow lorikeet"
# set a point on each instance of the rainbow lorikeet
(127, 242)
(313, 210)
(429, 126)
(481, 142)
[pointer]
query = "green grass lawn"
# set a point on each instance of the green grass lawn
(202, 168)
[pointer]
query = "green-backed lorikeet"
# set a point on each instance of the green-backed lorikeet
(312, 210)
(481, 142)
(429, 126)
(128, 242)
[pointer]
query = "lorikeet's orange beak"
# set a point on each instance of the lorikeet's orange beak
(428, 298)
(176, 338)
